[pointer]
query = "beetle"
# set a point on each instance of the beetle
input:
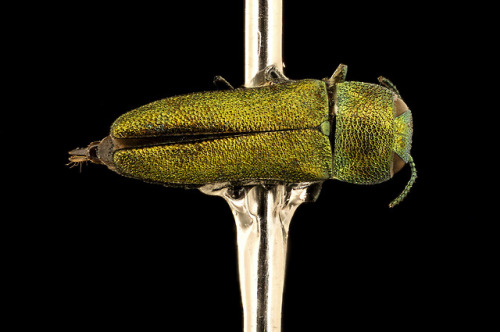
(280, 132)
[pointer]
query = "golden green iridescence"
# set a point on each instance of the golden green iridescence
(364, 134)
(295, 105)
(289, 156)
(280, 134)
(403, 129)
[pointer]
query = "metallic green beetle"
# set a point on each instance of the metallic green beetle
(276, 133)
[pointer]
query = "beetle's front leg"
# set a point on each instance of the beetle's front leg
(338, 75)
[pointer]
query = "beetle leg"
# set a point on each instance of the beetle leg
(338, 75)
(222, 84)
(273, 75)
(389, 85)
(313, 191)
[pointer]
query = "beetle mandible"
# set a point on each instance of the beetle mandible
(275, 133)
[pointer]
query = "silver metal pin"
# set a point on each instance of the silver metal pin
(262, 213)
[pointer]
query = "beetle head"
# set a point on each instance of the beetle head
(373, 133)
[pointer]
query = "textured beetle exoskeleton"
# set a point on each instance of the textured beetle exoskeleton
(368, 135)
(373, 134)
(277, 133)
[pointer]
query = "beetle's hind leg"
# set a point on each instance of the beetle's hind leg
(274, 75)
(222, 84)
(389, 85)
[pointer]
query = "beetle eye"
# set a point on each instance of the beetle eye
(397, 163)
(399, 107)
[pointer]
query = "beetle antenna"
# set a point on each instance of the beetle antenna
(408, 185)
(389, 85)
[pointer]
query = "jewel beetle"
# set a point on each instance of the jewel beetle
(285, 131)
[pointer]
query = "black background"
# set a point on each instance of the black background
(96, 250)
